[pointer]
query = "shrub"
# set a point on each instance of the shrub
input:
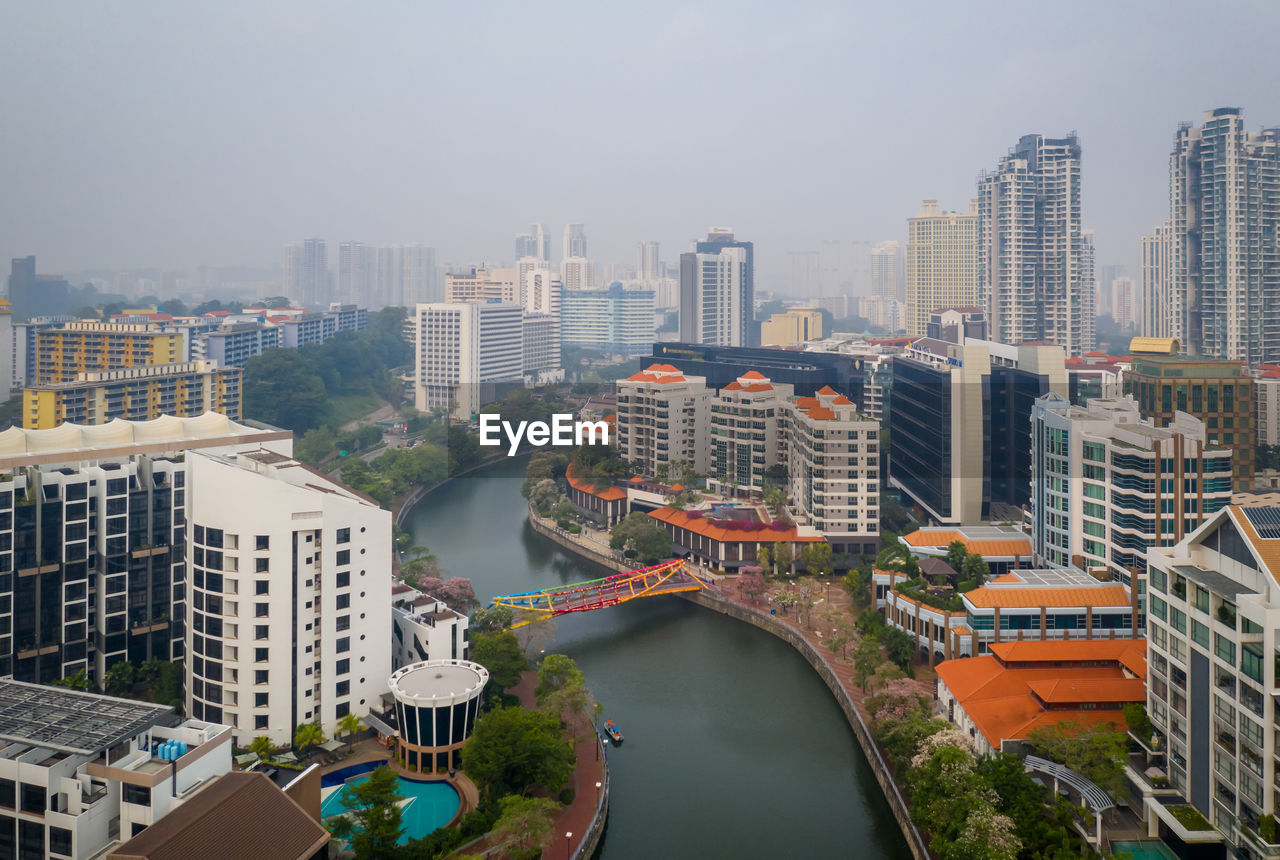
(575, 529)
(567, 796)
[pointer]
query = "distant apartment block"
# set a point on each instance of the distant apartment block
(615, 320)
(1107, 484)
(135, 394)
(792, 326)
(82, 346)
(463, 350)
(233, 345)
(663, 418)
(942, 268)
(482, 285)
(717, 291)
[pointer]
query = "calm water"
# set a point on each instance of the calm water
(431, 805)
(734, 747)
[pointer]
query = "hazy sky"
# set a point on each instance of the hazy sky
(161, 134)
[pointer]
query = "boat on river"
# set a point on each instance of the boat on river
(613, 731)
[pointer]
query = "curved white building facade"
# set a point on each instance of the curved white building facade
(437, 703)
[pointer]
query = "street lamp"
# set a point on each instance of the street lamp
(567, 847)
(598, 787)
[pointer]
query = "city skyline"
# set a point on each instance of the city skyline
(255, 192)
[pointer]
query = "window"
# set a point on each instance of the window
(344, 557)
(260, 655)
(261, 676)
(260, 721)
(1251, 661)
(342, 667)
(262, 631)
(136, 794)
(60, 841)
(343, 688)
(343, 645)
(262, 610)
(343, 579)
(1199, 633)
(261, 565)
(344, 601)
(344, 536)
(261, 542)
(260, 700)
(343, 623)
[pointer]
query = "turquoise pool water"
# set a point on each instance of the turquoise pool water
(1146, 850)
(428, 806)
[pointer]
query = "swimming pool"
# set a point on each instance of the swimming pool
(427, 805)
(1145, 850)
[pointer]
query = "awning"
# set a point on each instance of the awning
(287, 757)
(246, 759)
(333, 745)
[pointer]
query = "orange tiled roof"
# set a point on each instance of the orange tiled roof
(1011, 547)
(608, 494)
(821, 413)
(733, 386)
(806, 402)
(842, 401)
(635, 479)
(759, 386)
(962, 630)
(827, 390)
(753, 374)
(1131, 653)
(1003, 706)
(716, 531)
(986, 597)
(1083, 690)
(677, 486)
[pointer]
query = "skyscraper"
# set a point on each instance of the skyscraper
(1036, 264)
(887, 271)
(942, 263)
(306, 272)
(577, 273)
(648, 266)
(805, 280)
(717, 291)
(1155, 296)
(1224, 186)
(357, 273)
(575, 241)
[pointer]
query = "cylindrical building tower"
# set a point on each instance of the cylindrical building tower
(436, 707)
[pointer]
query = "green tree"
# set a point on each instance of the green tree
(262, 746)
(956, 553)
(899, 647)
(974, 570)
(490, 620)
(350, 725)
(1043, 827)
(783, 557)
(1097, 752)
(78, 681)
(281, 387)
(526, 826)
(866, 659)
(373, 826)
(763, 558)
(307, 735)
(644, 535)
(120, 678)
(817, 558)
(544, 495)
(501, 654)
(562, 689)
(513, 750)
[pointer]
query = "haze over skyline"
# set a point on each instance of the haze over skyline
(164, 135)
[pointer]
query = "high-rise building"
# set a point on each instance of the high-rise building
(536, 243)
(577, 273)
(960, 425)
(805, 279)
(615, 320)
(717, 297)
(1212, 603)
(795, 325)
(575, 241)
(942, 263)
(1155, 296)
(541, 360)
(717, 291)
(1217, 391)
(34, 295)
(284, 584)
(887, 271)
(662, 418)
(482, 285)
(1124, 303)
(746, 432)
(84, 346)
(540, 290)
(1225, 221)
(463, 351)
(648, 265)
(357, 273)
(306, 272)
(418, 277)
(1036, 263)
(1266, 389)
(1106, 483)
(185, 389)
(956, 325)
(128, 545)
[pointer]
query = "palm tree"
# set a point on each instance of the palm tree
(262, 746)
(307, 735)
(349, 725)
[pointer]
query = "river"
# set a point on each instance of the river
(734, 747)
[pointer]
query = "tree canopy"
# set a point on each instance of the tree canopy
(642, 533)
(513, 750)
(373, 826)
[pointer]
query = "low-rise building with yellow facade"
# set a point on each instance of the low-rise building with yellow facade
(85, 346)
(135, 394)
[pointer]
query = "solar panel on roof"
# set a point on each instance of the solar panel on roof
(1266, 521)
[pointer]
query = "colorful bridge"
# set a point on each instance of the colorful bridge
(666, 578)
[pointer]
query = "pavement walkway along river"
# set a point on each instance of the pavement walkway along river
(735, 747)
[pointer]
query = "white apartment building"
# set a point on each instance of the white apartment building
(541, 362)
(424, 628)
(287, 616)
(833, 464)
(1266, 399)
(887, 271)
(1212, 621)
(747, 424)
(81, 773)
(577, 273)
(615, 320)
(942, 263)
(482, 285)
(1107, 484)
(1154, 287)
(713, 287)
(539, 289)
(663, 418)
(461, 350)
